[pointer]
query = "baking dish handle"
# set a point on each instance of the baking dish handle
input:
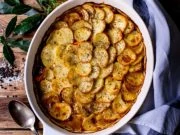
(47, 130)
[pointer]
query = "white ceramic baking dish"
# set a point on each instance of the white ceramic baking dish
(124, 5)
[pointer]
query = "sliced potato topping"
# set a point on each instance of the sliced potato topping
(127, 57)
(82, 34)
(115, 35)
(101, 40)
(102, 56)
(133, 38)
(60, 111)
(93, 67)
(120, 22)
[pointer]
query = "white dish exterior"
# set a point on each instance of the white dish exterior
(51, 128)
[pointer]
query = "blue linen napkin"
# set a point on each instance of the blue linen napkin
(160, 113)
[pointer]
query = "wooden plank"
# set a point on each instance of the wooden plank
(18, 132)
(13, 86)
(6, 119)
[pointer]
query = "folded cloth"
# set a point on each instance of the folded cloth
(160, 113)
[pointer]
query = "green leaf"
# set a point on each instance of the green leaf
(20, 9)
(5, 8)
(12, 2)
(11, 26)
(22, 44)
(29, 24)
(8, 54)
(2, 40)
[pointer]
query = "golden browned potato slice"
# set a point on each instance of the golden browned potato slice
(45, 86)
(60, 111)
(106, 71)
(119, 106)
(62, 36)
(131, 88)
(109, 115)
(84, 55)
(120, 46)
(60, 71)
(115, 35)
(101, 122)
(119, 71)
(112, 86)
(133, 38)
(109, 15)
(82, 34)
(98, 85)
(79, 109)
(139, 48)
(99, 107)
(59, 84)
(105, 96)
(81, 24)
(82, 12)
(73, 76)
(98, 26)
(60, 24)
(88, 123)
(139, 58)
(94, 62)
(95, 72)
(59, 49)
(128, 95)
(129, 28)
(49, 75)
(47, 55)
(101, 40)
(71, 18)
(83, 69)
(120, 22)
(135, 68)
(86, 86)
(99, 13)
(127, 57)
(83, 98)
(88, 7)
(67, 95)
(86, 45)
(101, 56)
(112, 54)
(135, 79)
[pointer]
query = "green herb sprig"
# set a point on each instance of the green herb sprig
(9, 38)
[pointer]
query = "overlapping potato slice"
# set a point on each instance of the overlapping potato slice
(109, 115)
(127, 57)
(135, 78)
(98, 107)
(47, 55)
(101, 40)
(99, 13)
(67, 95)
(60, 71)
(83, 69)
(88, 123)
(119, 106)
(95, 72)
(112, 86)
(133, 38)
(115, 35)
(59, 49)
(112, 54)
(60, 24)
(48, 74)
(88, 7)
(140, 58)
(73, 76)
(135, 68)
(50, 98)
(120, 46)
(139, 48)
(101, 56)
(129, 28)
(128, 95)
(71, 18)
(81, 24)
(84, 53)
(45, 86)
(120, 22)
(60, 111)
(106, 71)
(119, 71)
(98, 85)
(98, 26)
(82, 12)
(82, 34)
(131, 88)
(109, 15)
(82, 97)
(86, 85)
